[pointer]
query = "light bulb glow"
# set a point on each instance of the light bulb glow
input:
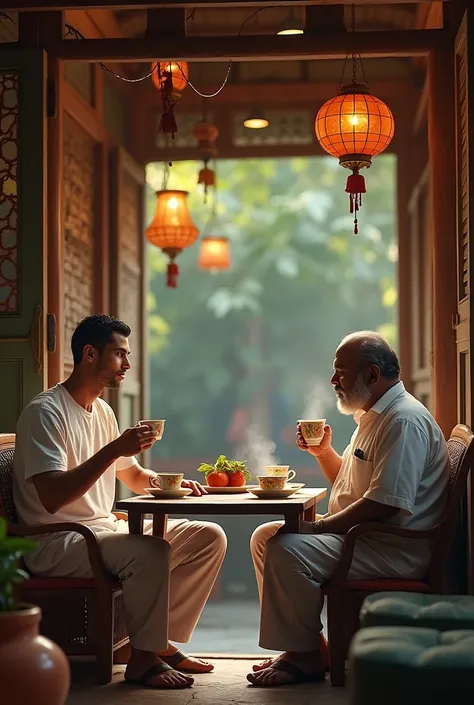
(354, 120)
(256, 123)
(286, 32)
(173, 203)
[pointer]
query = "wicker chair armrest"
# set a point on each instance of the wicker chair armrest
(339, 577)
(97, 564)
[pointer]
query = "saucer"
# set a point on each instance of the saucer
(225, 490)
(273, 494)
(158, 493)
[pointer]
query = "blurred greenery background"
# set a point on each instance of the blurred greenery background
(252, 348)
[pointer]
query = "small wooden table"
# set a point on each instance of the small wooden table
(293, 509)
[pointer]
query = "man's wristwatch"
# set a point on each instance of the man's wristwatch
(318, 526)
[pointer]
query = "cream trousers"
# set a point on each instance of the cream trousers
(165, 583)
(291, 567)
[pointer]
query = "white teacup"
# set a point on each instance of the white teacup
(157, 425)
(269, 482)
(280, 471)
(312, 430)
(167, 480)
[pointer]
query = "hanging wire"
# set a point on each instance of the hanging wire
(354, 58)
(75, 32)
(70, 30)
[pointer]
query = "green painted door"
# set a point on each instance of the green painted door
(22, 231)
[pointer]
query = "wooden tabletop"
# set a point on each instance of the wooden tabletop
(216, 504)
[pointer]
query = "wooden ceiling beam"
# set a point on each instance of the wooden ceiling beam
(329, 45)
(40, 5)
(278, 94)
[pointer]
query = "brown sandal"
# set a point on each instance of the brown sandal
(294, 671)
(156, 670)
(175, 659)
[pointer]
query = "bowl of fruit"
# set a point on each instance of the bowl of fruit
(225, 476)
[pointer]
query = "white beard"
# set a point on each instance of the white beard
(350, 402)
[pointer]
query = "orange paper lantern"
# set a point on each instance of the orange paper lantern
(172, 228)
(214, 254)
(167, 68)
(354, 127)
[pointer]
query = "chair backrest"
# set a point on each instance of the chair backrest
(461, 457)
(7, 452)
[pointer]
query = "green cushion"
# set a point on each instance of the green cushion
(411, 666)
(441, 612)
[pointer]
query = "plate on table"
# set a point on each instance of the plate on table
(158, 493)
(225, 490)
(273, 494)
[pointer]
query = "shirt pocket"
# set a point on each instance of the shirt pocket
(360, 477)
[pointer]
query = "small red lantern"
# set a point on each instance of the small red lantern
(170, 77)
(172, 229)
(354, 126)
(206, 134)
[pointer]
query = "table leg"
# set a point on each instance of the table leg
(159, 525)
(310, 513)
(135, 522)
(292, 523)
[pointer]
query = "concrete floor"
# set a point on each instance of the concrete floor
(226, 685)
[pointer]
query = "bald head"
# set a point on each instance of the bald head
(371, 349)
(365, 367)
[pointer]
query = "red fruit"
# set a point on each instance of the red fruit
(217, 479)
(236, 479)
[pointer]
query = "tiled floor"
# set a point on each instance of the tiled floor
(226, 685)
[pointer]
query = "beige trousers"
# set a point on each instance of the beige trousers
(165, 583)
(291, 567)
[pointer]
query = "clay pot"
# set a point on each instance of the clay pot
(33, 670)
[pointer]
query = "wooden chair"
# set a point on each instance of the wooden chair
(345, 597)
(85, 617)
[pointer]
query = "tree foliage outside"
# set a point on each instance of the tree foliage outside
(261, 336)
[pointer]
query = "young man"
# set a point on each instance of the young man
(68, 454)
(395, 470)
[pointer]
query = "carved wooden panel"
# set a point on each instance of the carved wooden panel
(79, 215)
(8, 193)
(130, 236)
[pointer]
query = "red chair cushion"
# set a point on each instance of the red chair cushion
(387, 585)
(64, 584)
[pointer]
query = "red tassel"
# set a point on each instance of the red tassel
(172, 275)
(355, 187)
(168, 124)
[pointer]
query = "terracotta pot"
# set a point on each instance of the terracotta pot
(33, 670)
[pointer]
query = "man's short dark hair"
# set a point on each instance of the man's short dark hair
(376, 351)
(97, 331)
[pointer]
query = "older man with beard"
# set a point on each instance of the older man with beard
(394, 470)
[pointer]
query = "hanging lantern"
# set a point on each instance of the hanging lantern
(172, 229)
(170, 77)
(206, 135)
(214, 254)
(178, 70)
(354, 126)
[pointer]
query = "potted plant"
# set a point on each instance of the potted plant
(33, 670)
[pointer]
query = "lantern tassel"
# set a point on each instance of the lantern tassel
(355, 187)
(168, 124)
(172, 275)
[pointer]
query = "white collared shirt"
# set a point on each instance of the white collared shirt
(397, 456)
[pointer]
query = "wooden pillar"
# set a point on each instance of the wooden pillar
(37, 30)
(404, 168)
(442, 151)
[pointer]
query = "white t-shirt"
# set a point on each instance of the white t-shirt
(54, 433)
(405, 461)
